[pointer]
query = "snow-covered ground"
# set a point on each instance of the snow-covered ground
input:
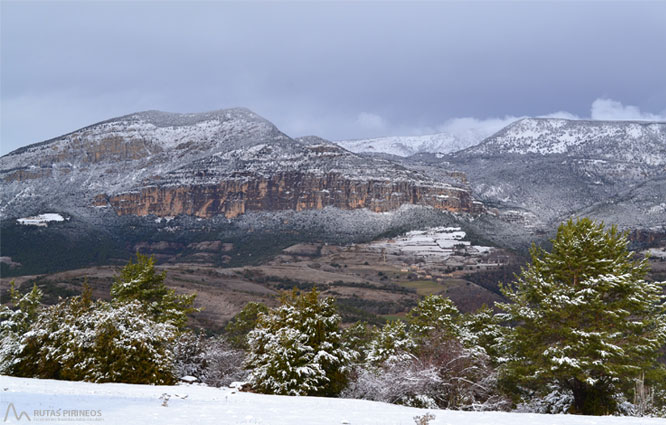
(43, 400)
(436, 243)
(41, 220)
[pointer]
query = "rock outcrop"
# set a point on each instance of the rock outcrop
(289, 191)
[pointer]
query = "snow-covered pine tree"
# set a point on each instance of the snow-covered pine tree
(392, 344)
(139, 281)
(584, 318)
(434, 315)
(296, 348)
(482, 329)
(357, 339)
(242, 323)
(14, 322)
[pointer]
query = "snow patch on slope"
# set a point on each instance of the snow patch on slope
(410, 145)
(41, 220)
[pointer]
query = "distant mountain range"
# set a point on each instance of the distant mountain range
(155, 177)
(410, 145)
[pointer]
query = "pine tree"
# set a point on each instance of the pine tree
(242, 323)
(584, 317)
(297, 348)
(16, 322)
(434, 315)
(139, 281)
(392, 344)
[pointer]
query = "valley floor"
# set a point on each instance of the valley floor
(189, 404)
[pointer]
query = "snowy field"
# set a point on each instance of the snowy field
(144, 404)
(41, 220)
(434, 243)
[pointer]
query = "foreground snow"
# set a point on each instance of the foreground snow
(188, 404)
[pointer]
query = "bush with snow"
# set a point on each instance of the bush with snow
(441, 374)
(432, 361)
(213, 361)
(127, 340)
(81, 340)
(14, 323)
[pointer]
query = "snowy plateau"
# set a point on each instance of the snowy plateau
(25, 400)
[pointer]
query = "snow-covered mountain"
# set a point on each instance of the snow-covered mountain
(553, 168)
(232, 173)
(409, 145)
(630, 141)
(223, 162)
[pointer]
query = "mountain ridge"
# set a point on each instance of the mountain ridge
(563, 136)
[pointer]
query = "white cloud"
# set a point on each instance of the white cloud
(561, 114)
(370, 121)
(468, 128)
(609, 109)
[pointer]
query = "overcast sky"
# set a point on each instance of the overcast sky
(337, 70)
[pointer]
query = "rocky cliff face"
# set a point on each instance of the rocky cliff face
(289, 191)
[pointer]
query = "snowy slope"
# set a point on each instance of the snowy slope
(613, 140)
(555, 168)
(143, 404)
(628, 140)
(410, 145)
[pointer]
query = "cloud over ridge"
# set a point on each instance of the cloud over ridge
(477, 129)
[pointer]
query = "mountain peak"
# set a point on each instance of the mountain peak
(171, 128)
(631, 140)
